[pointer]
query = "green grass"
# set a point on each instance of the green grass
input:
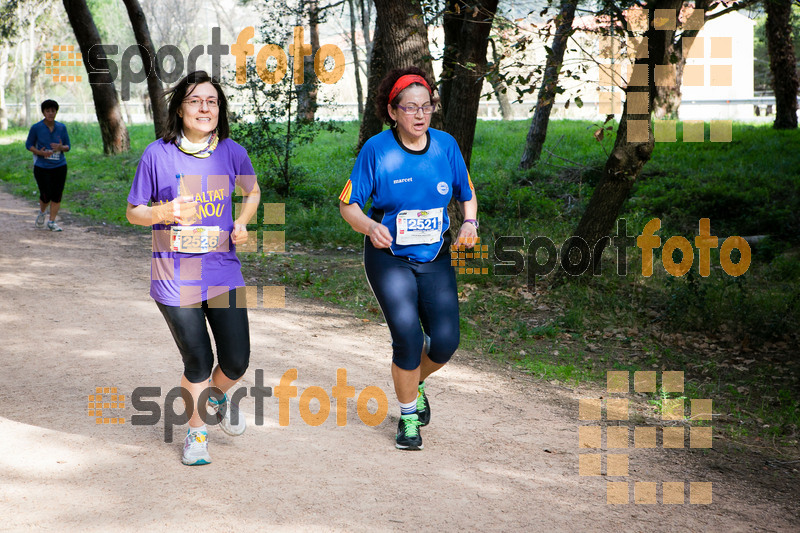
(733, 337)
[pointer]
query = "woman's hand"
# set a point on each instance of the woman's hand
(184, 210)
(239, 235)
(379, 235)
(467, 235)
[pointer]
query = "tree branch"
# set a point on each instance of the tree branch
(735, 7)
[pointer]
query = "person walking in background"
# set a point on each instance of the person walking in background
(49, 141)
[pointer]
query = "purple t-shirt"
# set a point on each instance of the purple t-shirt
(164, 173)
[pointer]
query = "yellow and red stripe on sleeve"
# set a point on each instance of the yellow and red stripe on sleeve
(469, 179)
(348, 189)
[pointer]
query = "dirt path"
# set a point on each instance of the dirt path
(501, 453)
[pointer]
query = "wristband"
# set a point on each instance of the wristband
(472, 221)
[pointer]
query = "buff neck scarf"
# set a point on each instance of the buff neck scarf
(202, 149)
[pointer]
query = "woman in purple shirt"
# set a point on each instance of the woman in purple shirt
(183, 188)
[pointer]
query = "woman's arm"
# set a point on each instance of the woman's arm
(41, 153)
(379, 234)
(249, 209)
(468, 233)
(181, 210)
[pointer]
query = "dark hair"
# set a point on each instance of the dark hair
(175, 96)
(49, 104)
(385, 88)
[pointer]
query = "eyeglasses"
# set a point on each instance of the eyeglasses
(196, 103)
(413, 108)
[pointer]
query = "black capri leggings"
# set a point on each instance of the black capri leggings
(51, 182)
(231, 336)
(411, 293)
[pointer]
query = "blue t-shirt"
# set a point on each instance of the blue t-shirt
(164, 173)
(40, 137)
(413, 184)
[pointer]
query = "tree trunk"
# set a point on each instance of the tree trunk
(359, 90)
(27, 74)
(547, 93)
(469, 70)
(370, 122)
(782, 62)
(142, 34)
(404, 34)
(106, 105)
(366, 15)
(4, 48)
(499, 86)
(628, 155)
(667, 100)
(451, 24)
(307, 92)
(405, 39)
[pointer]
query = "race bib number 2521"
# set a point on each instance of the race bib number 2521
(419, 226)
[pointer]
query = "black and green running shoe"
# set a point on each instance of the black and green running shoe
(408, 437)
(423, 407)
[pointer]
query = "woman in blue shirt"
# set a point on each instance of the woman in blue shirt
(49, 141)
(410, 172)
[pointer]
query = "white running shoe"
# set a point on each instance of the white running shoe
(40, 219)
(195, 449)
(52, 226)
(231, 421)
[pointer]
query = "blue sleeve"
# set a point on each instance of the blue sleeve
(361, 184)
(65, 138)
(30, 142)
(462, 185)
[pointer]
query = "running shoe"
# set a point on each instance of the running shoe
(408, 437)
(195, 449)
(52, 226)
(423, 407)
(40, 219)
(231, 421)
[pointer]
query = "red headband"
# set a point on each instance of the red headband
(403, 82)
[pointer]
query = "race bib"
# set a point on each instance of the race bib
(194, 239)
(55, 156)
(419, 227)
